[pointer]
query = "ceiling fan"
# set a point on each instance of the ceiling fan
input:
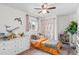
(44, 8)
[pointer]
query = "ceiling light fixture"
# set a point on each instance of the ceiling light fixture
(45, 8)
(44, 11)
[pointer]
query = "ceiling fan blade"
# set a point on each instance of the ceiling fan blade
(51, 8)
(48, 12)
(39, 12)
(38, 8)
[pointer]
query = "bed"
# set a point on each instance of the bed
(41, 44)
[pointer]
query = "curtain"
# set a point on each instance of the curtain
(27, 23)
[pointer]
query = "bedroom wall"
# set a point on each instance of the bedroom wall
(64, 20)
(17, 45)
(7, 15)
(77, 42)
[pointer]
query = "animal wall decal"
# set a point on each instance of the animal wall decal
(11, 30)
(18, 19)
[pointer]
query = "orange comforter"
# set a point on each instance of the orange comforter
(38, 44)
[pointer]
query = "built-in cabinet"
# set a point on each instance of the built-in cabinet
(14, 46)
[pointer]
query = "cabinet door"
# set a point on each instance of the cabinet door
(3, 47)
(2, 51)
(10, 47)
(14, 46)
(25, 43)
(19, 45)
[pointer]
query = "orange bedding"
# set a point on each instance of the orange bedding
(38, 44)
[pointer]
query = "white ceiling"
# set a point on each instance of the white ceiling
(61, 8)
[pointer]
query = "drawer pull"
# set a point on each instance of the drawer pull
(3, 49)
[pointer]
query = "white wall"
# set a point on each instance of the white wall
(7, 15)
(64, 20)
(17, 45)
(77, 42)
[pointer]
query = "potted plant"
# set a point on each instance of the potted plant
(72, 28)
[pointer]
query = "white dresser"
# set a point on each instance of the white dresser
(14, 46)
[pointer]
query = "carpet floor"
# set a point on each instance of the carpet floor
(34, 51)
